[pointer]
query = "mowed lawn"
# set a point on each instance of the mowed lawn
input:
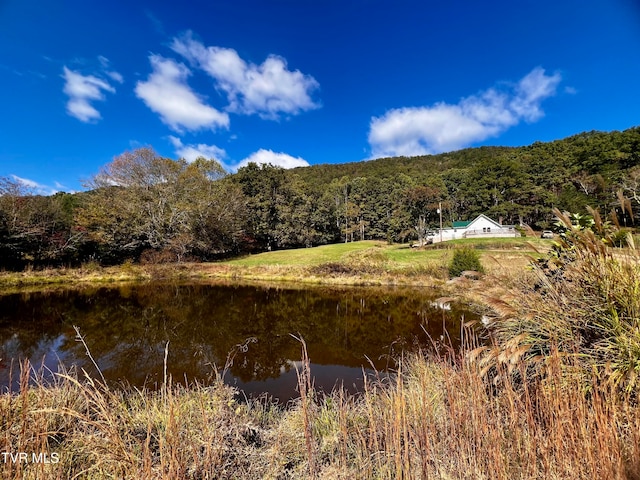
(307, 256)
(495, 252)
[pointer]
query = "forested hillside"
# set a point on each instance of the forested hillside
(520, 184)
(145, 207)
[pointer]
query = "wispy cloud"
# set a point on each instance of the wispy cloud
(269, 89)
(445, 127)
(38, 188)
(11, 70)
(166, 92)
(280, 159)
(82, 90)
(115, 76)
(155, 21)
(191, 152)
(106, 67)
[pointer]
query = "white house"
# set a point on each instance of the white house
(480, 227)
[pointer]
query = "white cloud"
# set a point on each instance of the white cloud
(283, 160)
(269, 89)
(82, 90)
(104, 61)
(115, 76)
(26, 182)
(191, 152)
(35, 187)
(106, 65)
(166, 92)
(445, 127)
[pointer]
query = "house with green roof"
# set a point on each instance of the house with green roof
(463, 224)
(480, 227)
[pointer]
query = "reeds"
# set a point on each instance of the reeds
(584, 301)
(99, 432)
(434, 417)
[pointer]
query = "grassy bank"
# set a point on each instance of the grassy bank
(358, 263)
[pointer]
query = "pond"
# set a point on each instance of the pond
(129, 329)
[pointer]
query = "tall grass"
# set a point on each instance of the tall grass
(584, 301)
(435, 417)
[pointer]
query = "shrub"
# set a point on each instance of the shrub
(331, 269)
(465, 259)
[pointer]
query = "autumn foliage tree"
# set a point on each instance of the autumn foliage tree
(144, 202)
(35, 229)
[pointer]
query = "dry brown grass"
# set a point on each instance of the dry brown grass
(436, 417)
(197, 432)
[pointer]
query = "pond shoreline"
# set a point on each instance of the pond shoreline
(197, 272)
(89, 428)
(204, 328)
(475, 292)
(365, 263)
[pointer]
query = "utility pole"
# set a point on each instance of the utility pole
(346, 213)
(440, 212)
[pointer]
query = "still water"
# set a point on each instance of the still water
(129, 329)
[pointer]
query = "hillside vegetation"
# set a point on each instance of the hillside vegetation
(143, 207)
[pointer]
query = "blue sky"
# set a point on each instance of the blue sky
(297, 82)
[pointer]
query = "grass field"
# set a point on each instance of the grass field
(363, 263)
(305, 256)
(402, 254)
(498, 255)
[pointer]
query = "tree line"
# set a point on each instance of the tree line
(142, 206)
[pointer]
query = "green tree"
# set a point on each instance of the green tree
(423, 202)
(264, 187)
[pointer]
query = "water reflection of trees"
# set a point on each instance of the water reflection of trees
(127, 328)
